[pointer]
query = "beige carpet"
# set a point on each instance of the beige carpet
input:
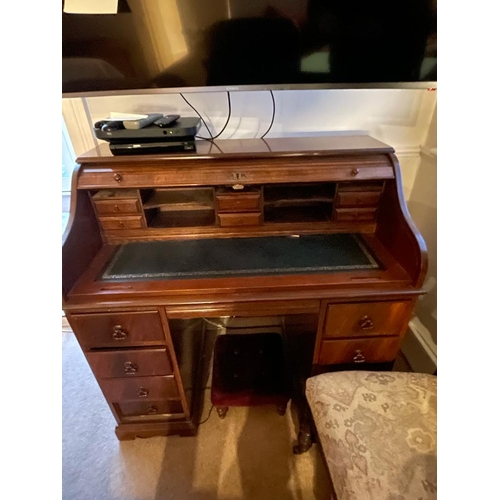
(248, 455)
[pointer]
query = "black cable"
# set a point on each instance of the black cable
(272, 119)
(229, 111)
(209, 413)
(208, 130)
(201, 118)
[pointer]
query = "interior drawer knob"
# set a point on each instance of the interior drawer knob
(355, 172)
(119, 333)
(116, 208)
(153, 410)
(121, 225)
(130, 368)
(358, 357)
(142, 392)
(117, 177)
(366, 323)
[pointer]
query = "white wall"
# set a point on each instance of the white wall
(420, 344)
(399, 117)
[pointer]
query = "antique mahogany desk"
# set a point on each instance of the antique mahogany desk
(309, 235)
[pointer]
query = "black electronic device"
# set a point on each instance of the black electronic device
(183, 129)
(166, 121)
(145, 148)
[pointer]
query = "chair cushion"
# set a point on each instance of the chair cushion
(378, 433)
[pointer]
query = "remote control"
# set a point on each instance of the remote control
(166, 120)
(144, 122)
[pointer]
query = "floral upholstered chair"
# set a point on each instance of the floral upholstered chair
(377, 431)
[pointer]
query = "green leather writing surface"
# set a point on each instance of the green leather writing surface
(221, 257)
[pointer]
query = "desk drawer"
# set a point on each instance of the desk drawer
(357, 199)
(238, 202)
(130, 363)
(358, 351)
(113, 207)
(125, 222)
(355, 214)
(365, 319)
(240, 219)
(149, 408)
(145, 389)
(122, 329)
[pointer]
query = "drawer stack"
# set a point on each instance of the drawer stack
(362, 332)
(239, 208)
(357, 202)
(119, 209)
(133, 364)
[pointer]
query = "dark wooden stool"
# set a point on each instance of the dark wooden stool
(249, 370)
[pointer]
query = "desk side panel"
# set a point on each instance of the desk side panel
(81, 240)
(398, 233)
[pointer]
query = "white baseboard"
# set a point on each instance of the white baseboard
(419, 349)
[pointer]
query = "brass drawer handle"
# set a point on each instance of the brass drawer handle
(355, 172)
(117, 177)
(358, 357)
(366, 323)
(121, 225)
(143, 393)
(119, 333)
(130, 368)
(116, 208)
(153, 410)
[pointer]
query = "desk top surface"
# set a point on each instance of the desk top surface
(254, 148)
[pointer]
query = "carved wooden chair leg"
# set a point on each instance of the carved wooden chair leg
(281, 409)
(221, 411)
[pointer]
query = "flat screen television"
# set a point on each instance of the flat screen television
(150, 46)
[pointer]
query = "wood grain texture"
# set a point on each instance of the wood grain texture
(130, 363)
(397, 231)
(358, 351)
(118, 329)
(256, 148)
(366, 319)
(81, 239)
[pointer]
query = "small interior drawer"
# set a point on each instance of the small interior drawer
(123, 222)
(121, 329)
(357, 199)
(355, 214)
(365, 319)
(130, 363)
(358, 351)
(139, 389)
(113, 207)
(238, 202)
(240, 219)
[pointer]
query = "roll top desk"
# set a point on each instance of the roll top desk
(311, 235)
